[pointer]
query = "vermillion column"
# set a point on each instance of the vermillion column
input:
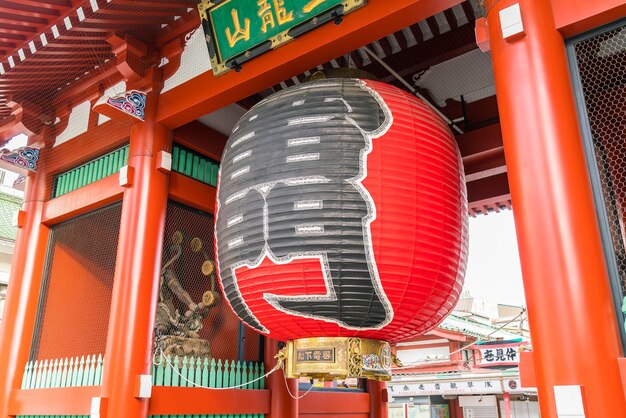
(379, 399)
(507, 404)
(135, 289)
(20, 310)
(282, 405)
(572, 319)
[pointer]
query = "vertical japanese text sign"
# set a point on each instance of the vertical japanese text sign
(239, 30)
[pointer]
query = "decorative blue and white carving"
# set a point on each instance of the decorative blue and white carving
(132, 102)
(20, 159)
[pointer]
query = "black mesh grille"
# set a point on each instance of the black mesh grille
(601, 68)
(192, 318)
(75, 299)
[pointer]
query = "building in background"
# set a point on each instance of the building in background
(467, 367)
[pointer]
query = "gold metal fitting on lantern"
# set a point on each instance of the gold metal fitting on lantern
(330, 358)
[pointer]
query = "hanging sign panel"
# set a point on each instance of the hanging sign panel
(238, 30)
(498, 355)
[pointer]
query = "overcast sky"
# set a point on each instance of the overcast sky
(493, 270)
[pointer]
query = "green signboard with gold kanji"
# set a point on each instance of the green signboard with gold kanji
(238, 30)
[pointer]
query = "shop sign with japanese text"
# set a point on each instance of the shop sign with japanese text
(238, 30)
(498, 355)
(484, 387)
(477, 386)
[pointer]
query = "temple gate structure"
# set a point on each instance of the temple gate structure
(113, 306)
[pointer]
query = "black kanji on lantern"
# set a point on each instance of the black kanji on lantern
(290, 189)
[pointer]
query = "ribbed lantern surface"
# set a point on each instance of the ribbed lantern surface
(342, 212)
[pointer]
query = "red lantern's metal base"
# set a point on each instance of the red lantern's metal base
(330, 358)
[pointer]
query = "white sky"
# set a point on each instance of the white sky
(493, 270)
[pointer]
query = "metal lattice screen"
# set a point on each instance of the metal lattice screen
(75, 298)
(193, 320)
(600, 68)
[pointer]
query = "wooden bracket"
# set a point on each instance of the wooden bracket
(131, 56)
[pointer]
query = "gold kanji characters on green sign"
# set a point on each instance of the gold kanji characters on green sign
(312, 5)
(240, 33)
(236, 31)
(268, 11)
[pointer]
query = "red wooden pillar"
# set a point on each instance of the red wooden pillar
(455, 409)
(282, 404)
(20, 310)
(507, 404)
(136, 285)
(565, 279)
(379, 399)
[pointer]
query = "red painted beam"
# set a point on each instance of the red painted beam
(26, 10)
(494, 187)
(64, 401)
(21, 19)
(206, 93)
(482, 153)
(335, 403)
(83, 200)
(201, 139)
(60, 5)
(192, 193)
(12, 36)
(475, 144)
(83, 36)
(11, 26)
(196, 401)
(573, 17)
(493, 166)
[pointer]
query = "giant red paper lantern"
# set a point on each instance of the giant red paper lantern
(342, 212)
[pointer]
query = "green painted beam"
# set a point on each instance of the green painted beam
(194, 165)
(91, 172)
